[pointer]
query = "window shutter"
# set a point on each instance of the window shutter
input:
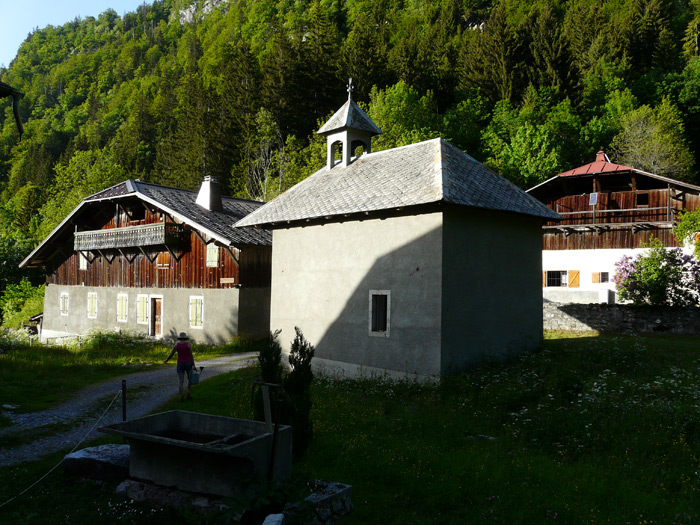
(596, 277)
(544, 279)
(573, 279)
(163, 260)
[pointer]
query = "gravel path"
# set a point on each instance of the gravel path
(146, 391)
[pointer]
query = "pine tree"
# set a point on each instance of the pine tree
(494, 59)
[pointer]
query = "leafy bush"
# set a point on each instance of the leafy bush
(270, 359)
(271, 371)
(659, 277)
(98, 339)
(20, 301)
(295, 396)
(686, 228)
(11, 339)
(297, 385)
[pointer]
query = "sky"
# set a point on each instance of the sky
(19, 17)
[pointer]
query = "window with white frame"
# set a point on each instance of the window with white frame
(92, 305)
(212, 255)
(63, 303)
(82, 265)
(196, 311)
(142, 309)
(379, 312)
(122, 307)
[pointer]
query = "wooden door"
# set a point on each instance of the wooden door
(156, 317)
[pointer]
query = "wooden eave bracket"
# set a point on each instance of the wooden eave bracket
(88, 254)
(109, 256)
(172, 253)
(199, 236)
(232, 253)
(119, 206)
(678, 194)
(126, 256)
(151, 259)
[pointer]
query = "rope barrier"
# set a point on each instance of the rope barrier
(119, 393)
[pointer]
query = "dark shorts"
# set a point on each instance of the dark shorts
(183, 368)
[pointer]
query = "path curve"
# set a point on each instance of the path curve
(146, 391)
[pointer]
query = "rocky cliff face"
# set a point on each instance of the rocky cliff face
(198, 10)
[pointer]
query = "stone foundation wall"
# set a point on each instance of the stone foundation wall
(620, 318)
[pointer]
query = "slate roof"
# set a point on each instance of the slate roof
(349, 116)
(178, 203)
(181, 204)
(423, 173)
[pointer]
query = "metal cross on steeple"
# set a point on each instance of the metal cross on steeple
(350, 88)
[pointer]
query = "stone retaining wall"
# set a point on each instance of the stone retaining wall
(620, 318)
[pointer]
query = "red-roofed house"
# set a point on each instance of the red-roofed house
(607, 210)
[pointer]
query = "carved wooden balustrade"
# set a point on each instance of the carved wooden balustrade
(129, 237)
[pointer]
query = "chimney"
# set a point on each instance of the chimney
(601, 157)
(209, 195)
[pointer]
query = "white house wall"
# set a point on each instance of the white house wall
(322, 276)
(223, 317)
(587, 263)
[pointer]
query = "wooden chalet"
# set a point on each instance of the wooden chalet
(607, 210)
(156, 260)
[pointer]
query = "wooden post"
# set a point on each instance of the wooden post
(271, 472)
(123, 399)
(266, 406)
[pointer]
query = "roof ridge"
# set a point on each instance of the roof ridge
(441, 170)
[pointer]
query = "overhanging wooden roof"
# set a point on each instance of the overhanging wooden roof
(602, 168)
(179, 204)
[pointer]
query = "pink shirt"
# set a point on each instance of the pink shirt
(184, 352)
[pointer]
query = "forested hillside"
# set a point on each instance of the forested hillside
(237, 89)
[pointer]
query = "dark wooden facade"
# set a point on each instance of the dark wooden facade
(627, 210)
(181, 264)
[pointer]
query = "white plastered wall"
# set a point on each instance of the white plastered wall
(586, 262)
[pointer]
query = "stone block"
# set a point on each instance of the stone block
(105, 462)
(274, 519)
(158, 496)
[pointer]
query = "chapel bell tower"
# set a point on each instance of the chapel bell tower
(349, 128)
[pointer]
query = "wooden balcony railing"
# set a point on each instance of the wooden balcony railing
(613, 217)
(129, 237)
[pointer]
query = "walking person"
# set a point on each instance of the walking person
(185, 363)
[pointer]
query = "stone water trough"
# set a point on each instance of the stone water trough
(204, 453)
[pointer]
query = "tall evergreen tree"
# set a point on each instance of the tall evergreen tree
(494, 59)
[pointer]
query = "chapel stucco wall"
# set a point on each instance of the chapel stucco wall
(321, 281)
(492, 290)
(222, 318)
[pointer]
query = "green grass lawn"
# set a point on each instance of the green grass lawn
(591, 429)
(37, 377)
